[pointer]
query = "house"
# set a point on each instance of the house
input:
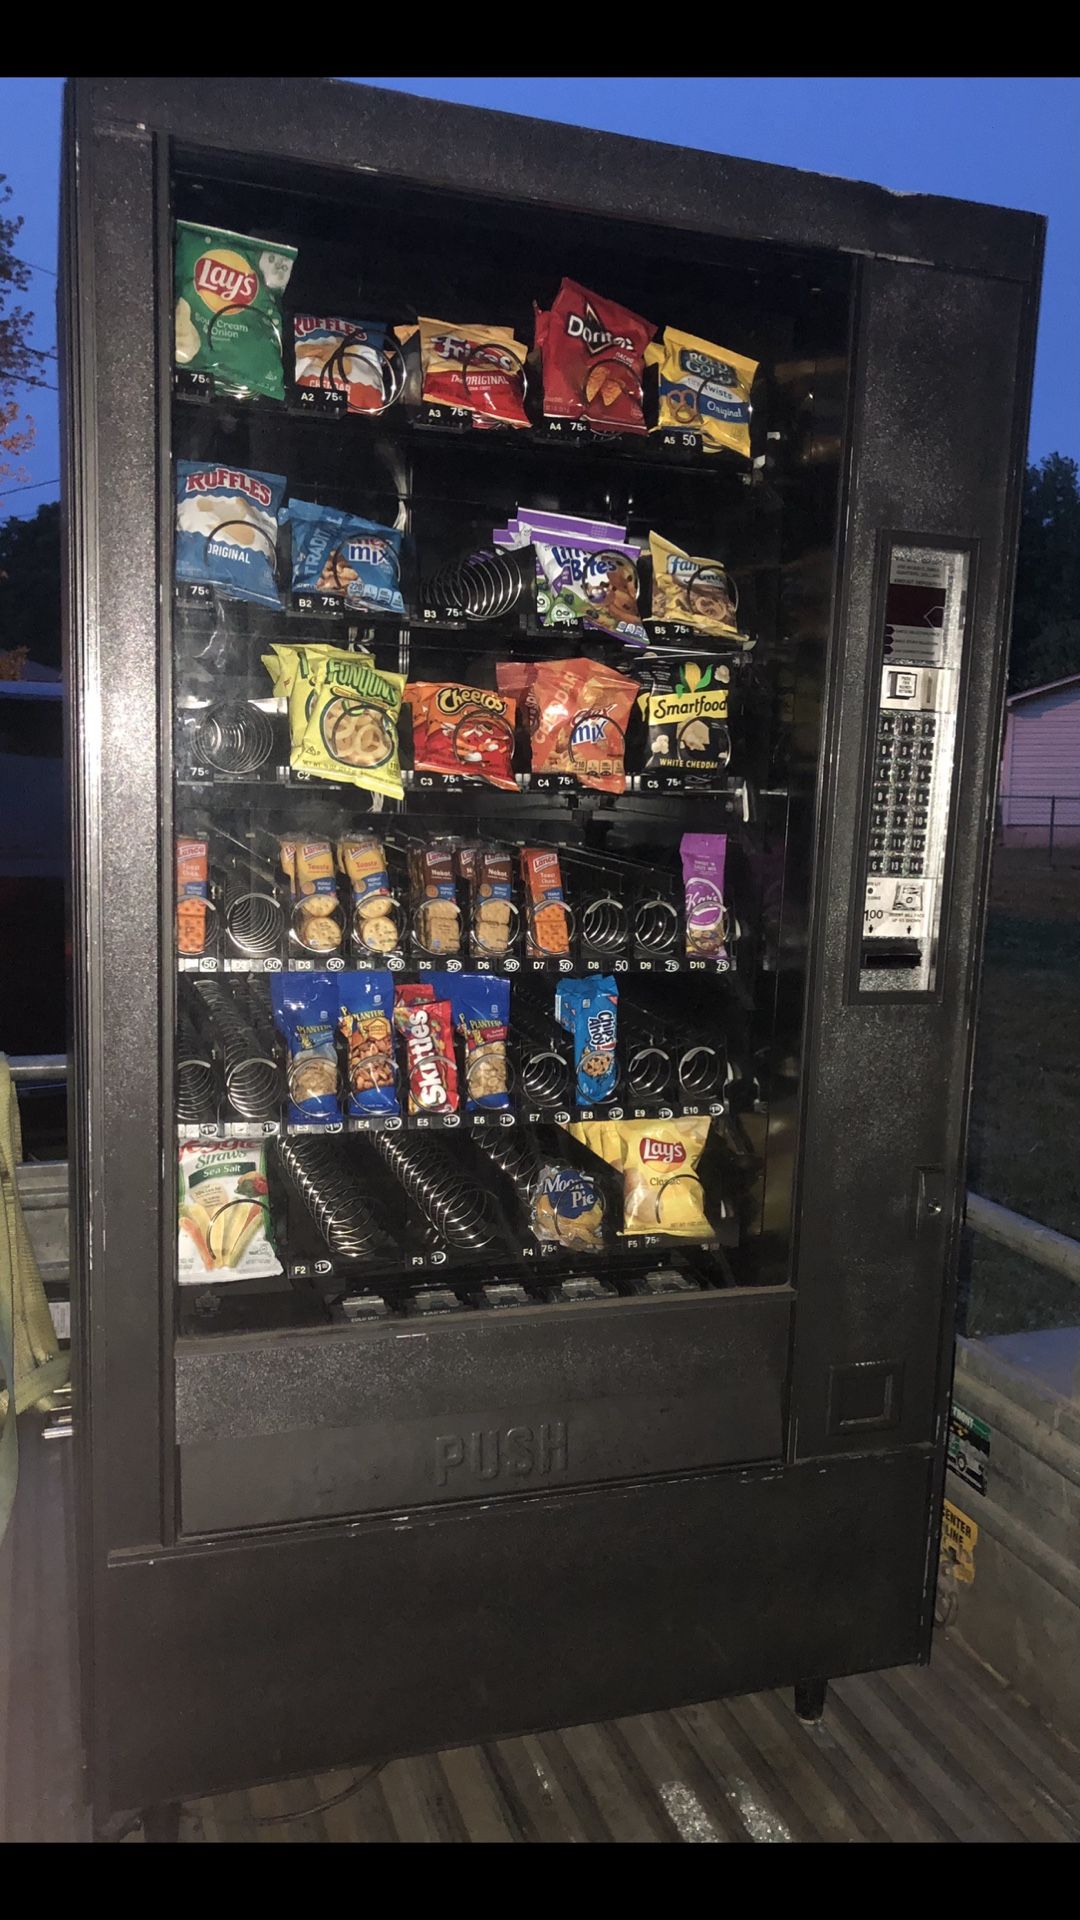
(1040, 766)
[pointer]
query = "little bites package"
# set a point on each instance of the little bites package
(225, 1231)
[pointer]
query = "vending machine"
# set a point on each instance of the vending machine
(537, 605)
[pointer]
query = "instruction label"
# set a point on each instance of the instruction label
(969, 1447)
(959, 1537)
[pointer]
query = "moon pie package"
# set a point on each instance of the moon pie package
(225, 1229)
(463, 730)
(227, 530)
(480, 1004)
(703, 857)
(357, 561)
(478, 367)
(593, 356)
(693, 592)
(686, 721)
(566, 1207)
(305, 1007)
(365, 1021)
(430, 1062)
(588, 1009)
(228, 308)
(704, 389)
(360, 358)
(352, 725)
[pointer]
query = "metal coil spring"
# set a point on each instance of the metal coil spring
(605, 925)
(656, 923)
(196, 1085)
(516, 1155)
(250, 1071)
(699, 1067)
(460, 1212)
(328, 1187)
(233, 737)
(545, 1067)
(253, 918)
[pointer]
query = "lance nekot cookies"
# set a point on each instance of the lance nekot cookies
(308, 865)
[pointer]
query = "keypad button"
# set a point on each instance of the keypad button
(900, 818)
(901, 791)
(879, 817)
(918, 843)
(909, 726)
(923, 776)
(916, 865)
(894, 865)
(896, 843)
(919, 818)
(886, 724)
(929, 727)
(904, 750)
(926, 751)
(881, 796)
(877, 842)
(875, 863)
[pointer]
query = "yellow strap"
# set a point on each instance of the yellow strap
(31, 1365)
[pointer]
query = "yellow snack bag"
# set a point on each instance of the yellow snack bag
(695, 592)
(352, 725)
(661, 1189)
(704, 389)
(298, 684)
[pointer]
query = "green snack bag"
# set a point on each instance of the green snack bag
(228, 308)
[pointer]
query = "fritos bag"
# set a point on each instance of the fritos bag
(464, 730)
(705, 389)
(478, 367)
(593, 355)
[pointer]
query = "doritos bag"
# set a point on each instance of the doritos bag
(593, 355)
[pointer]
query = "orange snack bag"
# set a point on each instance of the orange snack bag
(192, 893)
(545, 904)
(582, 713)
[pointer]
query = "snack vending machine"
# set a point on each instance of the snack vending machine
(537, 609)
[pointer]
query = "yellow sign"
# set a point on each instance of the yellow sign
(958, 1540)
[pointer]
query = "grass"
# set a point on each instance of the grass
(1025, 1125)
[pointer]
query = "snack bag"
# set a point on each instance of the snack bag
(228, 308)
(687, 724)
(357, 561)
(567, 1207)
(704, 388)
(463, 730)
(309, 865)
(661, 1189)
(352, 731)
(365, 1021)
(305, 1014)
(493, 916)
(593, 355)
(227, 530)
(374, 911)
(595, 584)
(588, 1009)
(703, 858)
(192, 894)
(428, 1026)
(436, 915)
(225, 1229)
(583, 711)
(548, 916)
(480, 1004)
(698, 593)
(347, 356)
(478, 367)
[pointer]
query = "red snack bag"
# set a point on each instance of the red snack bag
(408, 995)
(467, 730)
(429, 1057)
(593, 355)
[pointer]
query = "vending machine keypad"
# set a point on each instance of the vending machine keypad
(911, 773)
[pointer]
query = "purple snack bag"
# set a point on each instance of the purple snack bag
(703, 857)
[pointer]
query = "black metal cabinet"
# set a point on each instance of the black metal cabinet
(307, 1536)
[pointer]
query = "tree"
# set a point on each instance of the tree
(30, 585)
(18, 360)
(1046, 613)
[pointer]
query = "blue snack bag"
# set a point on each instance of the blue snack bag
(480, 1004)
(365, 1018)
(227, 530)
(588, 1009)
(357, 561)
(305, 1014)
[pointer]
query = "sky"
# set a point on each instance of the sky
(1013, 142)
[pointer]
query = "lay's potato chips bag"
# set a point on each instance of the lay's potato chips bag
(659, 1160)
(704, 389)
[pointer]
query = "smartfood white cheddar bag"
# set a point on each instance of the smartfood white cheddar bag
(225, 1230)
